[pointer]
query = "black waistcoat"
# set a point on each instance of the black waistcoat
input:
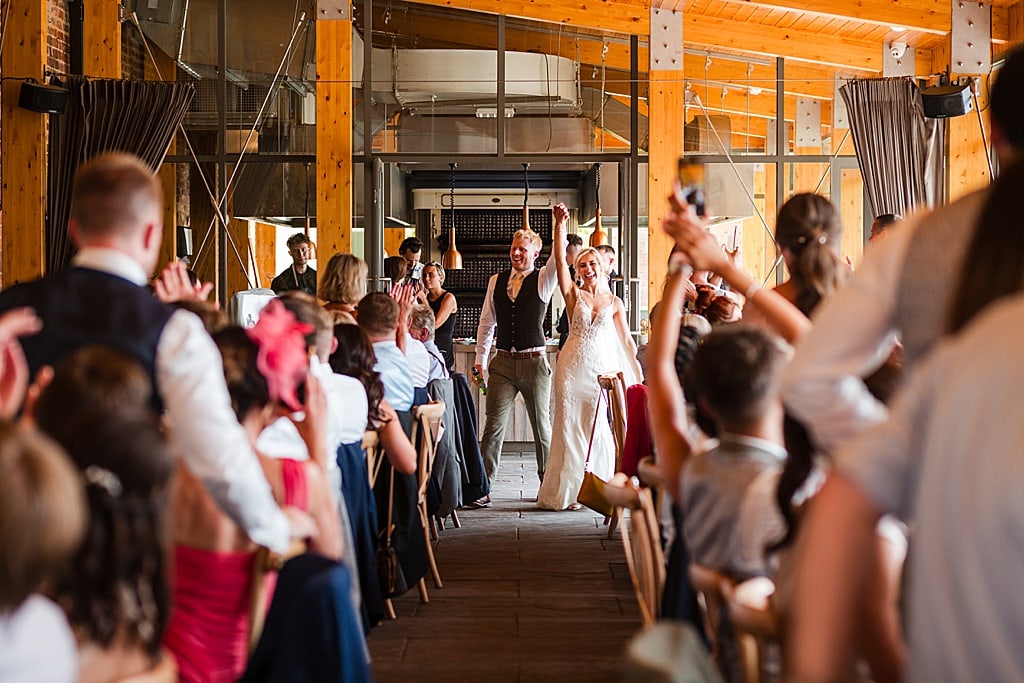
(520, 322)
(80, 307)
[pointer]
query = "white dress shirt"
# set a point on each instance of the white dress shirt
(419, 361)
(547, 281)
(203, 427)
(36, 644)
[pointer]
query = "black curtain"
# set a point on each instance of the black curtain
(140, 117)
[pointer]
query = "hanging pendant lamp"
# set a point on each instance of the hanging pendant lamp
(526, 196)
(452, 258)
(599, 236)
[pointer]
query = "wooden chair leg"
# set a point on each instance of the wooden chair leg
(440, 523)
(424, 597)
(389, 609)
(432, 561)
(433, 523)
(455, 520)
(613, 521)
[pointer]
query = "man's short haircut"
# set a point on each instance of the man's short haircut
(574, 240)
(735, 372)
(412, 244)
(377, 313)
(1007, 100)
(42, 512)
(115, 193)
(422, 318)
(529, 236)
(306, 310)
(606, 249)
(297, 239)
(886, 220)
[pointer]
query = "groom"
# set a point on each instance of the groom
(515, 304)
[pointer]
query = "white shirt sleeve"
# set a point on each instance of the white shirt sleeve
(207, 434)
(419, 361)
(853, 333)
(485, 330)
(547, 279)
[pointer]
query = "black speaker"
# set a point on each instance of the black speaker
(45, 99)
(944, 101)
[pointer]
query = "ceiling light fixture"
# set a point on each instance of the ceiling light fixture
(897, 29)
(492, 112)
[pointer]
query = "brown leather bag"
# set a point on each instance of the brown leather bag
(591, 491)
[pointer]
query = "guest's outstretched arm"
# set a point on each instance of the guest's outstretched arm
(667, 408)
(558, 243)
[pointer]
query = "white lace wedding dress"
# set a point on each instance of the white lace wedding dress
(593, 347)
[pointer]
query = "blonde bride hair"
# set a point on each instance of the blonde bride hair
(591, 250)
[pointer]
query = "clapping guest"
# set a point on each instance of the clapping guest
(378, 317)
(342, 285)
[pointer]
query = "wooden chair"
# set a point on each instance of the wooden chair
(642, 545)
(755, 624)
(711, 587)
(265, 561)
(426, 432)
(374, 454)
(613, 385)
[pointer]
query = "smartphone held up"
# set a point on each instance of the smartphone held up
(691, 183)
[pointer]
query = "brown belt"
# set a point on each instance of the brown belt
(520, 355)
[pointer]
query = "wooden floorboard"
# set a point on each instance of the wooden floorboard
(529, 596)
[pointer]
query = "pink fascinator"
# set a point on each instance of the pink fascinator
(281, 357)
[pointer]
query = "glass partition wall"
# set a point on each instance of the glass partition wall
(490, 93)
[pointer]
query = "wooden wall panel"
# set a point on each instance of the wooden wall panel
(23, 160)
(166, 70)
(665, 104)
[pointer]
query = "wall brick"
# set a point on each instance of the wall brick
(133, 53)
(57, 45)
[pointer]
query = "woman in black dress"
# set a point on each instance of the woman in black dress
(444, 306)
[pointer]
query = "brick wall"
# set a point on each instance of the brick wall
(57, 36)
(133, 53)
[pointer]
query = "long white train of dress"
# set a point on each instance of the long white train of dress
(593, 347)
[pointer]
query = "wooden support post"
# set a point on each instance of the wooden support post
(665, 107)
(240, 272)
(967, 164)
(333, 137)
(23, 162)
(101, 33)
(1016, 23)
(167, 173)
(266, 236)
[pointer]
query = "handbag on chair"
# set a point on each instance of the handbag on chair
(389, 569)
(591, 491)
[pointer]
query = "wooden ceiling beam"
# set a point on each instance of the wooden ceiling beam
(928, 16)
(808, 46)
(622, 17)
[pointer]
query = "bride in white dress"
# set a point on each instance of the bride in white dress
(599, 342)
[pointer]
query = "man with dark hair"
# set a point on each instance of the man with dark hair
(903, 287)
(573, 246)
(729, 491)
(299, 275)
(117, 224)
(881, 224)
(410, 249)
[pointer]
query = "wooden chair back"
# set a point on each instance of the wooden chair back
(426, 432)
(641, 543)
(755, 624)
(614, 386)
(265, 561)
(374, 454)
(711, 587)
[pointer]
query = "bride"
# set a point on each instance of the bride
(599, 342)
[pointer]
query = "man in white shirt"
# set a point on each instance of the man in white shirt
(421, 327)
(514, 307)
(117, 224)
(903, 287)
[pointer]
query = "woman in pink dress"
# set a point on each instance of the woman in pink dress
(213, 557)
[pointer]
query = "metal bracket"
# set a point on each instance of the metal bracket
(333, 9)
(971, 38)
(898, 66)
(666, 40)
(839, 117)
(808, 122)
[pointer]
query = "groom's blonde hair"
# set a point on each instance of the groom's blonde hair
(595, 252)
(530, 236)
